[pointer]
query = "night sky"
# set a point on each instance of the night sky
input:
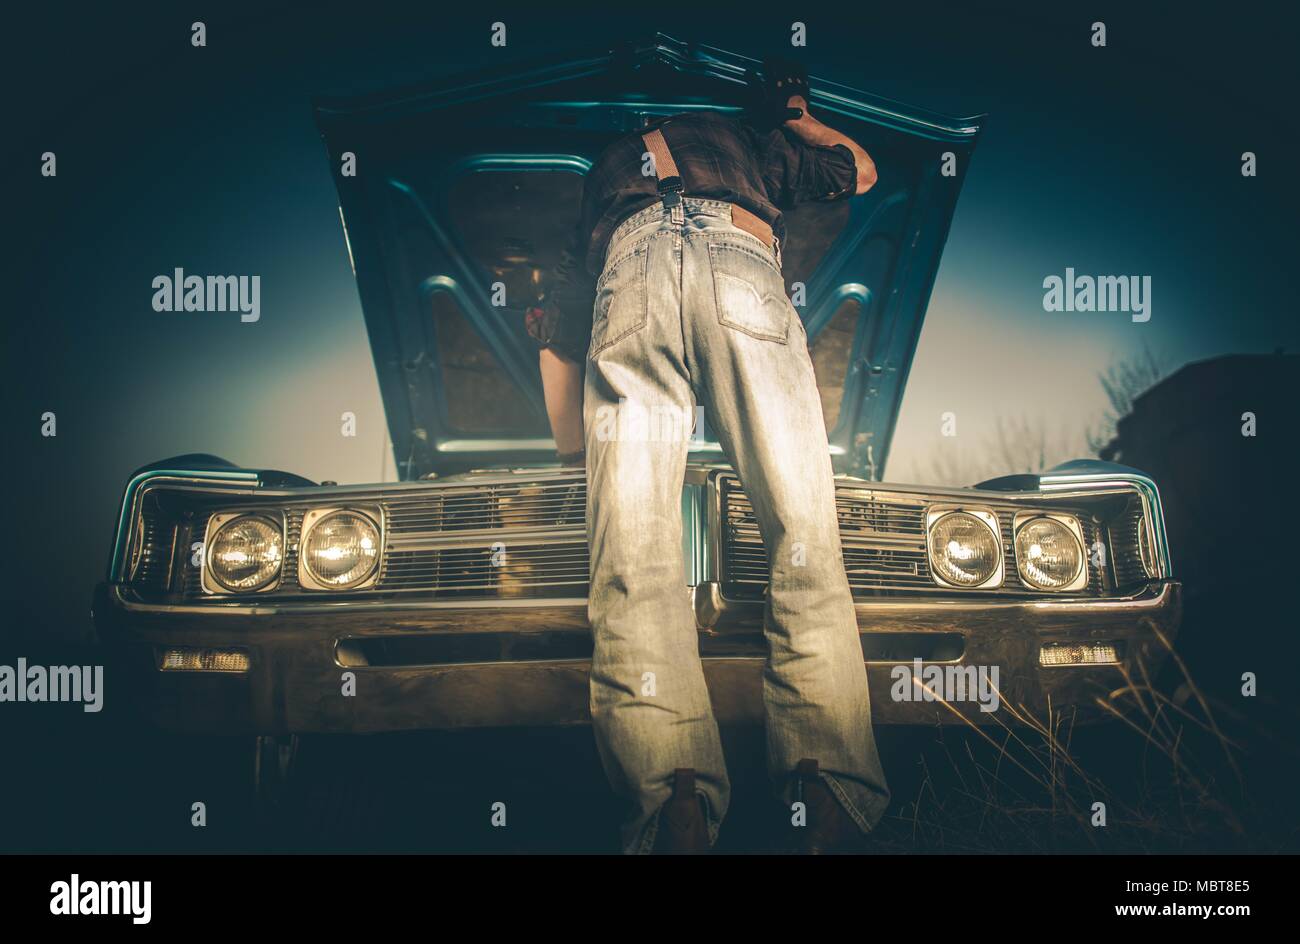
(1115, 161)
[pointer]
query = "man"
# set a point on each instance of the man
(682, 220)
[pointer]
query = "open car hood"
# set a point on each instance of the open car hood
(473, 183)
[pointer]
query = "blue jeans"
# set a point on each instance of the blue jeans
(692, 310)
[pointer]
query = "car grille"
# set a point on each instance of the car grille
(492, 540)
(499, 540)
(884, 542)
(883, 539)
(1125, 547)
(152, 548)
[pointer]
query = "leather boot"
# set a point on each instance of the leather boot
(683, 823)
(828, 828)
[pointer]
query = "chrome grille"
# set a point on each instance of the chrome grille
(192, 576)
(293, 532)
(505, 539)
(883, 541)
(506, 536)
(883, 536)
(154, 546)
(1125, 548)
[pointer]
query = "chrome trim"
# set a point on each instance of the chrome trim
(494, 609)
(477, 537)
(487, 445)
(715, 613)
(713, 517)
(1072, 524)
(137, 548)
(133, 492)
(694, 532)
(1147, 491)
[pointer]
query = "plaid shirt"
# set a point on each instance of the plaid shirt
(719, 158)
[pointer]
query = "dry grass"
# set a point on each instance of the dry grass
(1170, 771)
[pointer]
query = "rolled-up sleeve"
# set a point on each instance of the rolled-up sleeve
(797, 172)
(564, 320)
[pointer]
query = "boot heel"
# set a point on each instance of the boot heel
(683, 822)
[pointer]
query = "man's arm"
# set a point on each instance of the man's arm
(814, 132)
(562, 385)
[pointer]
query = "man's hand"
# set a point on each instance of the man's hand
(785, 82)
(771, 90)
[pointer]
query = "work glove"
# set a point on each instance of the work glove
(771, 91)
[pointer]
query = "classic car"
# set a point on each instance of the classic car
(246, 600)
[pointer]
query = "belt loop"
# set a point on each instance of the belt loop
(677, 214)
(776, 247)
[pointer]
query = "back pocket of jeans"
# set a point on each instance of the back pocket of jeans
(749, 292)
(622, 304)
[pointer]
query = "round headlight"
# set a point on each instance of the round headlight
(341, 550)
(1048, 554)
(245, 554)
(964, 550)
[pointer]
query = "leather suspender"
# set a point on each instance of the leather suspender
(670, 189)
(670, 180)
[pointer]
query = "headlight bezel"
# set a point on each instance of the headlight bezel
(210, 582)
(311, 520)
(1072, 524)
(936, 512)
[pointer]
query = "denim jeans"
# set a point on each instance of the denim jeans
(690, 310)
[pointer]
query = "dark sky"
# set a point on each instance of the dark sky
(1123, 160)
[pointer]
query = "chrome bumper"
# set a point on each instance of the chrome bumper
(295, 680)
